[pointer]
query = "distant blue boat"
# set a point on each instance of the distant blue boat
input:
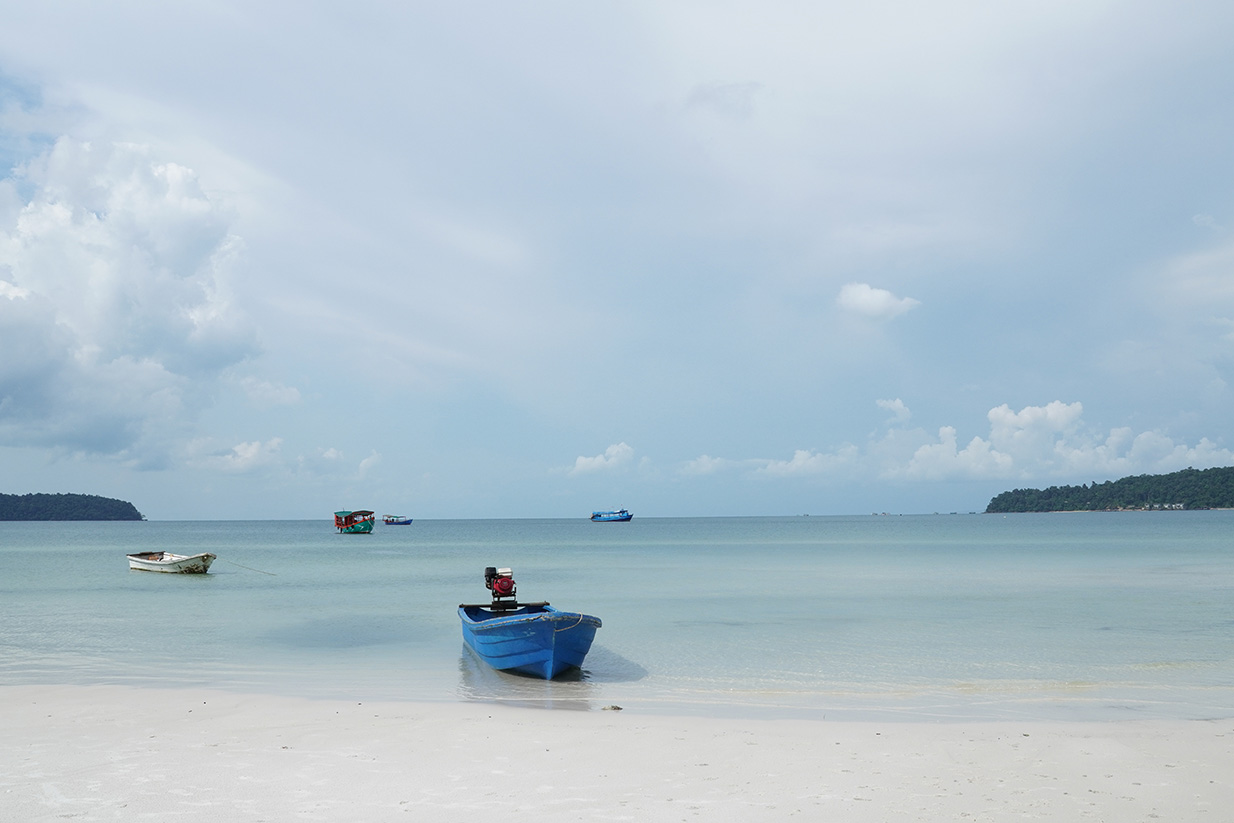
(528, 638)
(619, 516)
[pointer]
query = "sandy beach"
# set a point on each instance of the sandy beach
(118, 753)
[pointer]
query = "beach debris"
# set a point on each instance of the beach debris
(611, 709)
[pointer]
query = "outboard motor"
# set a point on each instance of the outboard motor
(500, 582)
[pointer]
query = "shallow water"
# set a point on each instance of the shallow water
(1076, 616)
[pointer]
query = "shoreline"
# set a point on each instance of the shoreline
(126, 752)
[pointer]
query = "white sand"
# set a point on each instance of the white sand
(114, 753)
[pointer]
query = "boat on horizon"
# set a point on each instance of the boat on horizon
(616, 516)
(395, 520)
(528, 638)
(357, 522)
(171, 563)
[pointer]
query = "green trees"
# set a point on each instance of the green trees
(65, 507)
(1186, 489)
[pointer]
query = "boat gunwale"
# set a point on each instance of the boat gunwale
(545, 613)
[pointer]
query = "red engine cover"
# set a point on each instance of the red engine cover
(503, 587)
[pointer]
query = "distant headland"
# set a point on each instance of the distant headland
(1186, 489)
(65, 507)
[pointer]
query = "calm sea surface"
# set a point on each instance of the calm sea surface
(1062, 616)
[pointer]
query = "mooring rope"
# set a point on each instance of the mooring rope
(567, 628)
(250, 568)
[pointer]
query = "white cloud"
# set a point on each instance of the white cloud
(263, 393)
(247, 457)
(805, 462)
(614, 456)
(867, 301)
(114, 268)
(1044, 444)
(368, 463)
(705, 464)
(899, 411)
(1048, 443)
(935, 461)
(12, 292)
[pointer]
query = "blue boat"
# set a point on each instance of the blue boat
(618, 516)
(528, 638)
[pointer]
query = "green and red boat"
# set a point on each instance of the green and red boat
(357, 522)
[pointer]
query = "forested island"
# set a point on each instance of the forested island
(1186, 489)
(65, 507)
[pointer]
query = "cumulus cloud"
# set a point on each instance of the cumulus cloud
(246, 457)
(899, 411)
(806, 462)
(705, 464)
(616, 455)
(1050, 442)
(867, 301)
(368, 463)
(1044, 444)
(115, 318)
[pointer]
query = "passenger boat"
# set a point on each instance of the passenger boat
(395, 520)
(358, 522)
(618, 516)
(173, 563)
(528, 638)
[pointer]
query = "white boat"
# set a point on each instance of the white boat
(173, 563)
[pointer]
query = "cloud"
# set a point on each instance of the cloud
(264, 394)
(705, 464)
(1043, 443)
(115, 318)
(368, 463)
(247, 457)
(805, 462)
(1040, 444)
(731, 100)
(898, 410)
(613, 457)
(936, 461)
(880, 304)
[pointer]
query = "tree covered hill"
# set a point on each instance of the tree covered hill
(1186, 489)
(65, 507)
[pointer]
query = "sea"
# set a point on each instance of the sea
(949, 618)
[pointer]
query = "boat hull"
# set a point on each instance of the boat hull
(534, 640)
(357, 522)
(171, 563)
(612, 517)
(396, 521)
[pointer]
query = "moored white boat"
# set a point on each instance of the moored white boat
(173, 563)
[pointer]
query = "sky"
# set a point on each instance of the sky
(490, 259)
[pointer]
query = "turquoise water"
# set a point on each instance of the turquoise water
(1076, 616)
